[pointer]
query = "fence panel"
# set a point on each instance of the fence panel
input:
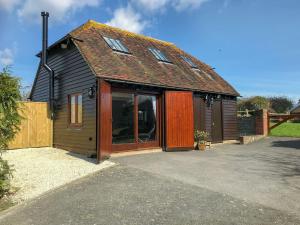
(36, 127)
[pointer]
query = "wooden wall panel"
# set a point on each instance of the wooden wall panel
(179, 119)
(36, 127)
(208, 121)
(105, 120)
(230, 128)
(199, 113)
(74, 77)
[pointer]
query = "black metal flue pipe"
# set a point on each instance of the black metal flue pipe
(44, 59)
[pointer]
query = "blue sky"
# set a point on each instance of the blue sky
(253, 44)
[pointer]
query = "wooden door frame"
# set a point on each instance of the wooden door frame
(136, 145)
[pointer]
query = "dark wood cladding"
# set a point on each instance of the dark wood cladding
(230, 128)
(179, 119)
(217, 127)
(199, 113)
(73, 76)
(105, 120)
(208, 121)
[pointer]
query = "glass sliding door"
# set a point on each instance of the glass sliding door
(123, 118)
(135, 120)
(146, 118)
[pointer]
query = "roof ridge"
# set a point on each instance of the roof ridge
(95, 24)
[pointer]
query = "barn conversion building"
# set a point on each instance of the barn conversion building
(116, 91)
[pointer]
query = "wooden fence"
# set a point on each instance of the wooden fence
(36, 128)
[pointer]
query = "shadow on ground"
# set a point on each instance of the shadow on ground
(287, 144)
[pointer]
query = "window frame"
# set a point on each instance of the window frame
(116, 45)
(158, 54)
(189, 62)
(76, 124)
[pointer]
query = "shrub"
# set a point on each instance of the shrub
(10, 120)
(200, 136)
(253, 103)
(281, 104)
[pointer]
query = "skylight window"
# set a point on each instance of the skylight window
(189, 61)
(158, 55)
(116, 45)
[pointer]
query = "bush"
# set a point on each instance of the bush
(253, 103)
(5, 175)
(10, 120)
(281, 104)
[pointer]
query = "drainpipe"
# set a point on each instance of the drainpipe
(45, 16)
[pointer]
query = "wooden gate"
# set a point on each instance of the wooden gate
(36, 127)
(280, 119)
(179, 120)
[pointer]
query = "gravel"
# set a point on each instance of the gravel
(38, 170)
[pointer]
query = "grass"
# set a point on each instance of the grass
(286, 130)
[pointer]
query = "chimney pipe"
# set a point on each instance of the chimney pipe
(44, 60)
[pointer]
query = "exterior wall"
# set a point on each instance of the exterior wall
(230, 127)
(199, 113)
(74, 76)
(208, 121)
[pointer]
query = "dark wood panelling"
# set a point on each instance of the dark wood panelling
(74, 76)
(179, 119)
(105, 120)
(208, 121)
(230, 128)
(199, 113)
(217, 130)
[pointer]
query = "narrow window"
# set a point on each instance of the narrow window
(189, 61)
(75, 106)
(158, 55)
(116, 45)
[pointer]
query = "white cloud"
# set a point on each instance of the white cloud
(6, 57)
(152, 5)
(179, 5)
(8, 5)
(59, 9)
(128, 19)
(188, 4)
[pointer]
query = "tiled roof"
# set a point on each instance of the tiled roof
(141, 66)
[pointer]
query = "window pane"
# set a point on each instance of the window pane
(116, 44)
(158, 54)
(147, 118)
(79, 115)
(123, 118)
(73, 109)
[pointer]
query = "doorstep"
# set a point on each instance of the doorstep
(136, 152)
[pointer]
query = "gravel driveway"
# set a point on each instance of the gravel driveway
(38, 170)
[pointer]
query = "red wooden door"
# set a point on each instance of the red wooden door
(104, 120)
(179, 120)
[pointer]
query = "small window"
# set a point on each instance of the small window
(116, 45)
(189, 61)
(75, 105)
(158, 54)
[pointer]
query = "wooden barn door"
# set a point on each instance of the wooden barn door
(179, 120)
(217, 133)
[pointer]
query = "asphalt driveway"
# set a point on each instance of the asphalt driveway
(232, 184)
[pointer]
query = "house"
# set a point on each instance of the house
(295, 110)
(117, 91)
